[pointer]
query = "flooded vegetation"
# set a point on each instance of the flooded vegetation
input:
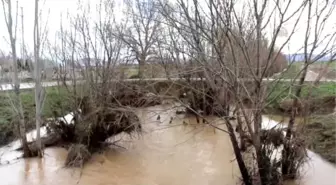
(180, 152)
(148, 159)
(223, 66)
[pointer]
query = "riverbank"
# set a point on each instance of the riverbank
(319, 132)
(321, 136)
(280, 95)
(57, 103)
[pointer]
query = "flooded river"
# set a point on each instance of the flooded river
(176, 153)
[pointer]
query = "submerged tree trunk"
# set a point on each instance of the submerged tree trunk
(18, 103)
(240, 130)
(38, 86)
(287, 149)
(241, 164)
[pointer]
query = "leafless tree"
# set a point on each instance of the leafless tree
(141, 32)
(39, 93)
(229, 40)
(315, 39)
(17, 104)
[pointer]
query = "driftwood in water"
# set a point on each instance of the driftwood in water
(134, 97)
(207, 102)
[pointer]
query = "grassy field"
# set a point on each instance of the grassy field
(56, 102)
(282, 90)
(53, 102)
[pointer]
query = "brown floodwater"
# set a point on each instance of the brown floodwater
(176, 153)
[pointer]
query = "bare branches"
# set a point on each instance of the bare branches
(142, 32)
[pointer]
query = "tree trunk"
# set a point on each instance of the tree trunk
(17, 99)
(38, 86)
(239, 158)
(240, 131)
(18, 105)
(262, 168)
(142, 63)
(287, 149)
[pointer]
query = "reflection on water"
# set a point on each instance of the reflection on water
(166, 154)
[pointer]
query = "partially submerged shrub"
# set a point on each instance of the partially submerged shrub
(203, 102)
(78, 154)
(294, 158)
(135, 97)
(271, 153)
(95, 122)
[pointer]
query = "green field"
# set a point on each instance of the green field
(280, 91)
(56, 103)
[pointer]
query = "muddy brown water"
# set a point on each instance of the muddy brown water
(165, 154)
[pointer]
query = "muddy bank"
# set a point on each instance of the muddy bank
(313, 105)
(321, 136)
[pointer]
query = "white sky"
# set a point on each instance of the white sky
(52, 9)
(51, 12)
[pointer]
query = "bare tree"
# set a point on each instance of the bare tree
(142, 32)
(39, 93)
(317, 15)
(230, 41)
(93, 48)
(17, 104)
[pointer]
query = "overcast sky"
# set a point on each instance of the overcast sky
(52, 9)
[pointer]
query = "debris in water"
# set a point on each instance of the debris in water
(180, 112)
(78, 154)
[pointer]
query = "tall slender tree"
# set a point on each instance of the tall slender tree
(39, 93)
(17, 104)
